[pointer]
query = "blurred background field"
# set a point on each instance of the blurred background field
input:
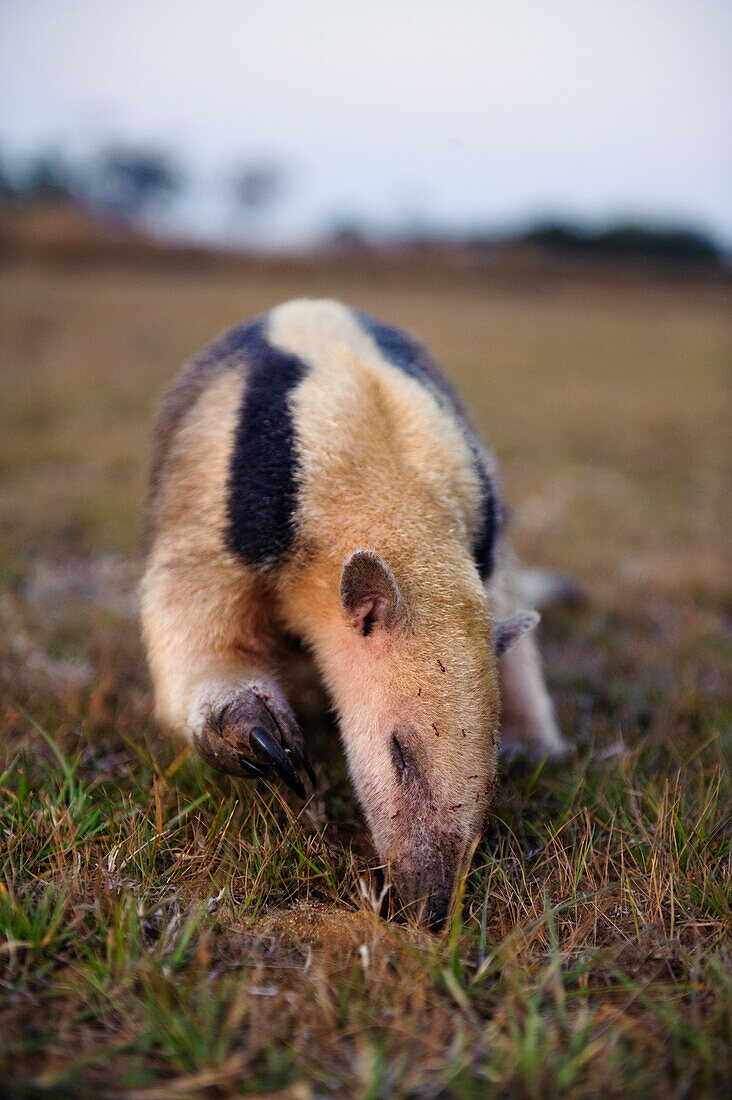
(539, 196)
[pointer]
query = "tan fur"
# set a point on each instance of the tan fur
(382, 467)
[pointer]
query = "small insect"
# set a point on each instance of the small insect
(442, 667)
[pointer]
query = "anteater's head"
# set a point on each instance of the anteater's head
(412, 668)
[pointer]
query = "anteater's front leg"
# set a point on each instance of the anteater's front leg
(210, 646)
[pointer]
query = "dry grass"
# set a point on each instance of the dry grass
(166, 933)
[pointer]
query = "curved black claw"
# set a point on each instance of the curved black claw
(304, 762)
(270, 752)
(250, 770)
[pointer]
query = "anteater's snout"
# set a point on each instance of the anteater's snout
(424, 898)
(426, 886)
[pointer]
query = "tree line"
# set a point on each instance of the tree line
(134, 181)
(130, 181)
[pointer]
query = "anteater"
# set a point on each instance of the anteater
(316, 481)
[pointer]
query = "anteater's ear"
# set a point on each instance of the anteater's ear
(506, 632)
(370, 594)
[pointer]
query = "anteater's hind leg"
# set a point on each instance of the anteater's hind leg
(211, 646)
(528, 724)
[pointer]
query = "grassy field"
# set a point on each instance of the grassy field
(169, 933)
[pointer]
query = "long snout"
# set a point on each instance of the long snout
(425, 881)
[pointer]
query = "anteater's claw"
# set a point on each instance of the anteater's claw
(304, 762)
(250, 769)
(269, 752)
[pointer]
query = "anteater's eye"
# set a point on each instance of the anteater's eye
(399, 759)
(404, 760)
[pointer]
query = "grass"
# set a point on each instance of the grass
(169, 933)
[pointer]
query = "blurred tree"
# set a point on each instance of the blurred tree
(7, 184)
(258, 186)
(348, 234)
(132, 180)
(47, 179)
(630, 241)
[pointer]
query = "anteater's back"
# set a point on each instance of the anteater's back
(310, 409)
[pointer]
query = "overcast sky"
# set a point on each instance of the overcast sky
(469, 111)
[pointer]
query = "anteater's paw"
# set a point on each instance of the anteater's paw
(545, 743)
(252, 736)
